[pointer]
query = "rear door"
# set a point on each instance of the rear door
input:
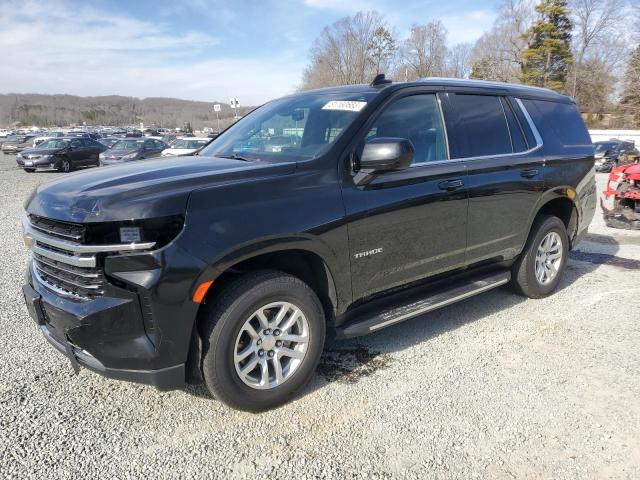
(78, 152)
(505, 175)
(411, 224)
(92, 151)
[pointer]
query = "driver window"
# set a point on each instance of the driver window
(416, 118)
(75, 143)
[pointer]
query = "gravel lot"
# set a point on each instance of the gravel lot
(494, 387)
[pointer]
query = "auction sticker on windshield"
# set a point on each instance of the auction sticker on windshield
(346, 105)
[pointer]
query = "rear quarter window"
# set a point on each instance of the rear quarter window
(561, 120)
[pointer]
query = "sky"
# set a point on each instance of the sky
(190, 49)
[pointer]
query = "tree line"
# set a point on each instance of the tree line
(62, 110)
(587, 49)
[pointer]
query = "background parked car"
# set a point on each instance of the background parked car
(64, 154)
(129, 149)
(17, 143)
(109, 141)
(186, 146)
(47, 136)
(609, 153)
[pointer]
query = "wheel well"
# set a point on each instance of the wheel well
(565, 210)
(307, 266)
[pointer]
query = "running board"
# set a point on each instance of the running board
(421, 304)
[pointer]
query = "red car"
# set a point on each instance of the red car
(621, 201)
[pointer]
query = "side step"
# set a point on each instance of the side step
(423, 302)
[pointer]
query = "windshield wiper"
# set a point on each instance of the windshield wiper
(232, 156)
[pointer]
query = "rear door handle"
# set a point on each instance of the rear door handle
(451, 185)
(529, 173)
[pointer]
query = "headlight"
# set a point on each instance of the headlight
(161, 230)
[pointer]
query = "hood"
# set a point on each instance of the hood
(118, 153)
(178, 151)
(139, 190)
(630, 171)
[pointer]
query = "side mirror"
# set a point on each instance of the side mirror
(386, 154)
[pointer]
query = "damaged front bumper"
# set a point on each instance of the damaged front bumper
(621, 200)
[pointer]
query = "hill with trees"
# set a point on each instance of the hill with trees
(61, 110)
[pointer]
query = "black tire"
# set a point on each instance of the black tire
(224, 317)
(524, 279)
(29, 170)
(66, 165)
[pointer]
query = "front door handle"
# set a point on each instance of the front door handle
(451, 185)
(529, 173)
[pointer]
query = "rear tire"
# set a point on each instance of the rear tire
(29, 170)
(243, 336)
(539, 269)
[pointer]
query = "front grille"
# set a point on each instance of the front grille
(77, 281)
(67, 231)
(64, 263)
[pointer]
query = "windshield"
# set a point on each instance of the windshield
(53, 144)
(125, 145)
(192, 144)
(603, 147)
(302, 126)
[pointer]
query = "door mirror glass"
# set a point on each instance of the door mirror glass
(386, 154)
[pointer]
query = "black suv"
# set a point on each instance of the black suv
(235, 266)
(609, 153)
(64, 154)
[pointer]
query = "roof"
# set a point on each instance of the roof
(498, 87)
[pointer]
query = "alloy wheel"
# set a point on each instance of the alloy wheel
(271, 345)
(548, 258)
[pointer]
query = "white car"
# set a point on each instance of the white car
(186, 146)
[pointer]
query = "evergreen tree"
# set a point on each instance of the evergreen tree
(630, 101)
(545, 61)
(480, 70)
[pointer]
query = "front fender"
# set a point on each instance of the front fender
(300, 210)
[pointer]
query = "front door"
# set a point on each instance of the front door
(405, 226)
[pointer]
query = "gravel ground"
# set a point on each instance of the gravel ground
(494, 387)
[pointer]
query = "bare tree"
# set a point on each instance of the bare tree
(459, 60)
(424, 53)
(597, 36)
(382, 48)
(497, 54)
(351, 50)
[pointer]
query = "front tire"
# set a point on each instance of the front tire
(262, 340)
(65, 165)
(538, 271)
(29, 170)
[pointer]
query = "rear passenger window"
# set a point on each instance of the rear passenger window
(416, 118)
(483, 126)
(564, 119)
